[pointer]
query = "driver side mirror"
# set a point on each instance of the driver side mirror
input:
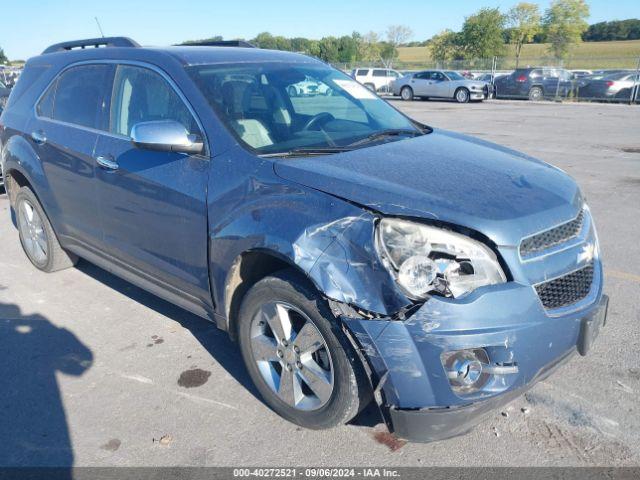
(165, 136)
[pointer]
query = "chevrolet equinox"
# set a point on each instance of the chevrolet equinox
(355, 254)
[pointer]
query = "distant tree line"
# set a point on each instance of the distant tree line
(352, 48)
(615, 30)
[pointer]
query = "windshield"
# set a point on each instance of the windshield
(454, 76)
(276, 107)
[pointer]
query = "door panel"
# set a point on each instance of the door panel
(67, 160)
(420, 84)
(153, 213)
(65, 134)
(440, 85)
(152, 203)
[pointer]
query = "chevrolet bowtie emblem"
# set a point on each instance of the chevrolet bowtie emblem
(586, 253)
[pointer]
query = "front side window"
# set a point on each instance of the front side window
(274, 107)
(80, 95)
(142, 95)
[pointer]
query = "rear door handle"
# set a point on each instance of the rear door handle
(39, 137)
(107, 162)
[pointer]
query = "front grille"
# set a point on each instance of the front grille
(552, 237)
(566, 290)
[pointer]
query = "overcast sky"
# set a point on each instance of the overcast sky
(28, 26)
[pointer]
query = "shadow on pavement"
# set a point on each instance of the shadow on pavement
(215, 341)
(33, 422)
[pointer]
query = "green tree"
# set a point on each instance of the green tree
(265, 40)
(388, 53)
(481, 35)
(3, 57)
(329, 49)
(347, 49)
(524, 22)
(444, 46)
(369, 47)
(564, 23)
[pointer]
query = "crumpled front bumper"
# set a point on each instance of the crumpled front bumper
(508, 321)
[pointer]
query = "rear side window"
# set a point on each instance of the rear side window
(80, 95)
(141, 95)
(381, 73)
(45, 106)
(362, 72)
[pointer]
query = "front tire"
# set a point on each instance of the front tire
(406, 94)
(299, 360)
(462, 95)
(37, 237)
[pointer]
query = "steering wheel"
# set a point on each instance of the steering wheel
(318, 120)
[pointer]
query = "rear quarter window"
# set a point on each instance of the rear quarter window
(45, 105)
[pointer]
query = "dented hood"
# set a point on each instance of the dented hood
(453, 178)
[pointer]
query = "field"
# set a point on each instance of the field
(585, 55)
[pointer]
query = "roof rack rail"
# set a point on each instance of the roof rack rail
(221, 43)
(91, 43)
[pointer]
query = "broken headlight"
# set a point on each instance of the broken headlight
(429, 260)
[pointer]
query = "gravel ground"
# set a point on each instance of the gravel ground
(97, 372)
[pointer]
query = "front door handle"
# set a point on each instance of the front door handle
(107, 162)
(39, 137)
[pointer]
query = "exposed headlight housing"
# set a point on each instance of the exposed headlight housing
(429, 260)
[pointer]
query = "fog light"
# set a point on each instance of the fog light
(465, 369)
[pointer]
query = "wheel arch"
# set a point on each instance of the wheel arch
(248, 269)
(22, 167)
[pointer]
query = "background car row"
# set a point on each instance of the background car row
(533, 83)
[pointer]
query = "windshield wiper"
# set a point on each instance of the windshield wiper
(391, 132)
(308, 151)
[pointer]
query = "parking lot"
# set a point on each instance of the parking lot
(111, 375)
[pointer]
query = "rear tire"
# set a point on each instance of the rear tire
(37, 237)
(535, 94)
(406, 93)
(338, 387)
(370, 86)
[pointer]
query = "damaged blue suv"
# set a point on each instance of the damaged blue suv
(352, 252)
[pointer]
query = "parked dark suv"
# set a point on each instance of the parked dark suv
(535, 83)
(352, 252)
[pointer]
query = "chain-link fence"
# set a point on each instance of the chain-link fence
(610, 79)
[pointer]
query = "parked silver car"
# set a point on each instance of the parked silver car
(440, 84)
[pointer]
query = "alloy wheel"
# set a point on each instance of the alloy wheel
(34, 236)
(462, 95)
(292, 356)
